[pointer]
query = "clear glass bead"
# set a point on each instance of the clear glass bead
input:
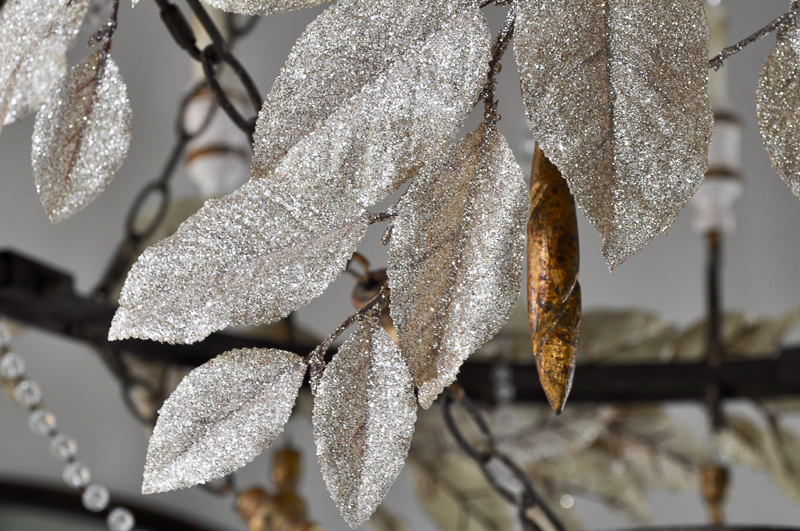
(12, 366)
(120, 519)
(95, 498)
(77, 475)
(42, 422)
(5, 333)
(63, 447)
(27, 393)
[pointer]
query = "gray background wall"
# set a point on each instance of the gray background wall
(761, 275)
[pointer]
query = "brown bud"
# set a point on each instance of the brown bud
(715, 490)
(254, 507)
(554, 294)
(286, 470)
(290, 509)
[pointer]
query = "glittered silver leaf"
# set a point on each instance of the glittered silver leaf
(456, 256)
(277, 242)
(248, 258)
(372, 91)
(81, 136)
(33, 44)
(221, 416)
(262, 7)
(778, 103)
(616, 95)
(364, 414)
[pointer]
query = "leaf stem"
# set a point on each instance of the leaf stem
(316, 359)
(499, 48)
(718, 61)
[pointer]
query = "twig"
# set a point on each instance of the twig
(528, 501)
(499, 48)
(784, 20)
(316, 359)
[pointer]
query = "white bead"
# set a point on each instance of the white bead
(77, 475)
(63, 447)
(42, 422)
(95, 498)
(120, 519)
(27, 393)
(12, 366)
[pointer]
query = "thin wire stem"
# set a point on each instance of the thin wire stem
(718, 61)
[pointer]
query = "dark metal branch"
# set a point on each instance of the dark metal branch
(718, 61)
(499, 48)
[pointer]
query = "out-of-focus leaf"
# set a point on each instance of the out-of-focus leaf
(598, 474)
(370, 92)
(385, 520)
(33, 46)
(624, 336)
(782, 459)
(222, 416)
(262, 7)
(81, 136)
(616, 95)
(658, 451)
(741, 441)
(778, 104)
(454, 492)
(692, 344)
(363, 418)
(763, 337)
(456, 256)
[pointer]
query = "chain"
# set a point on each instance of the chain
(502, 473)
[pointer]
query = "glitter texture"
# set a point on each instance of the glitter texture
(222, 416)
(377, 89)
(81, 136)
(778, 102)
(364, 413)
(455, 259)
(33, 44)
(262, 7)
(616, 94)
(275, 244)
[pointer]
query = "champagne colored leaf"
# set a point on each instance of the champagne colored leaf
(81, 136)
(363, 418)
(354, 111)
(385, 520)
(33, 47)
(596, 473)
(741, 441)
(221, 416)
(763, 337)
(554, 294)
(453, 490)
(376, 89)
(456, 256)
(782, 453)
(625, 336)
(659, 452)
(248, 258)
(616, 95)
(262, 7)
(778, 105)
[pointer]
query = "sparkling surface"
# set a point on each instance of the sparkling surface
(778, 99)
(42, 422)
(28, 393)
(456, 257)
(363, 418)
(221, 416)
(120, 519)
(76, 475)
(616, 95)
(95, 498)
(12, 365)
(33, 44)
(277, 242)
(262, 7)
(81, 136)
(63, 447)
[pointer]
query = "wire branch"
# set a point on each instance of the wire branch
(718, 61)
(499, 48)
(316, 359)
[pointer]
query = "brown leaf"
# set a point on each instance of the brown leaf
(554, 294)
